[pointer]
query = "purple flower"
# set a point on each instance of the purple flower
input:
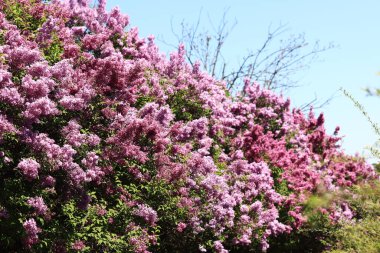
(219, 247)
(147, 213)
(72, 103)
(38, 204)
(78, 245)
(37, 88)
(32, 231)
(48, 181)
(40, 107)
(23, 56)
(181, 227)
(5, 126)
(84, 201)
(29, 168)
(11, 96)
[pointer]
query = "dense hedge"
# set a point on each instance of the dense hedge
(107, 146)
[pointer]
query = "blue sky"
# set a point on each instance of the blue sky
(353, 25)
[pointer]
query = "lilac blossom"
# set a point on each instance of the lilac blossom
(147, 213)
(38, 204)
(32, 231)
(29, 168)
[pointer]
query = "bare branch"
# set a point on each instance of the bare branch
(273, 64)
(316, 103)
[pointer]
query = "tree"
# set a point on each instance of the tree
(271, 65)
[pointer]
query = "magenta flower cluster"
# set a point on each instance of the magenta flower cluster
(38, 204)
(29, 168)
(112, 119)
(31, 231)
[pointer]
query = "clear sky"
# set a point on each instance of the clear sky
(353, 25)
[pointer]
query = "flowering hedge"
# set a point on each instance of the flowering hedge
(107, 146)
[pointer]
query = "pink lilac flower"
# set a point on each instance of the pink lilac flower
(11, 96)
(147, 213)
(48, 181)
(6, 126)
(40, 107)
(78, 245)
(38, 204)
(29, 168)
(181, 226)
(219, 247)
(31, 231)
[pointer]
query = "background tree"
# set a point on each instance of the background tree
(274, 64)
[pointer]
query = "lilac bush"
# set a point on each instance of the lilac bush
(108, 146)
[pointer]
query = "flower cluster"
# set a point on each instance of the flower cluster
(29, 168)
(38, 204)
(148, 152)
(32, 231)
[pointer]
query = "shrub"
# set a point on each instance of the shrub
(361, 234)
(107, 146)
